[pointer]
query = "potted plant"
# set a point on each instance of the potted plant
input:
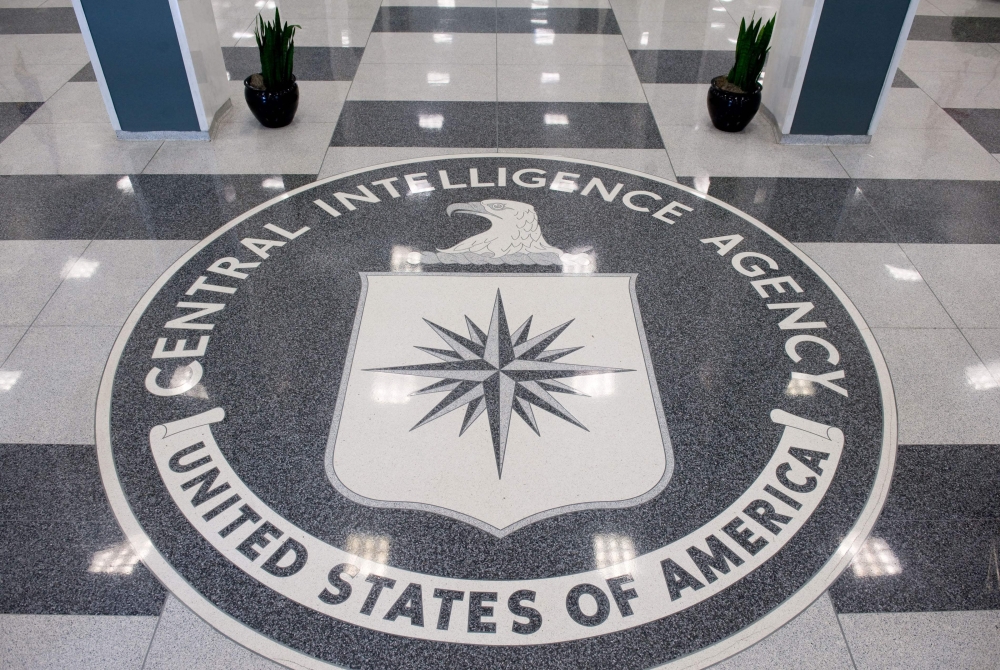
(272, 94)
(734, 99)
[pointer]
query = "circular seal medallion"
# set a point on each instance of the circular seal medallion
(492, 411)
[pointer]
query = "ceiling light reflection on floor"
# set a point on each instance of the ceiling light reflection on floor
(8, 378)
(903, 274)
(125, 185)
(644, 39)
(80, 269)
(405, 259)
(431, 121)
(545, 36)
(979, 378)
(595, 386)
(392, 389)
(117, 560)
(550, 77)
(556, 120)
(374, 548)
(345, 38)
(443, 38)
(276, 183)
(875, 559)
(800, 387)
(612, 549)
(438, 78)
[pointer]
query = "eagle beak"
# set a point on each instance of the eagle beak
(467, 208)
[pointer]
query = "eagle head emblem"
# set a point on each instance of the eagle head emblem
(513, 229)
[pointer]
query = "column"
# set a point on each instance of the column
(831, 65)
(159, 64)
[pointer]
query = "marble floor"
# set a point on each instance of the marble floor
(908, 228)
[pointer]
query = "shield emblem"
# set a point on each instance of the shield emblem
(512, 387)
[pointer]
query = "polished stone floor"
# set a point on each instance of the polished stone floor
(908, 226)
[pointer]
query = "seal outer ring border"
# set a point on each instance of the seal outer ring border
(280, 653)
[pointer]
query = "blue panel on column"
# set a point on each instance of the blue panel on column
(850, 58)
(137, 44)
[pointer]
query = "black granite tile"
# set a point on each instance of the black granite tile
(56, 207)
(189, 207)
(38, 21)
(803, 209)
(935, 546)
(982, 124)
(86, 73)
(311, 63)
(13, 114)
(379, 123)
(955, 481)
(936, 211)
(675, 66)
(902, 81)
(560, 20)
(595, 125)
(435, 20)
(924, 566)
(66, 553)
(956, 29)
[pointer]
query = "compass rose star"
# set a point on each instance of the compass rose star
(499, 372)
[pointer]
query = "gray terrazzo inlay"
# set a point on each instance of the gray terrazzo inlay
(590, 125)
(435, 20)
(971, 475)
(675, 66)
(85, 74)
(53, 375)
(311, 63)
(189, 207)
(982, 124)
(944, 393)
(902, 81)
(9, 337)
(107, 281)
(921, 530)
(183, 640)
(801, 209)
(46, 262)
(956, 29)
(906, 576)
(72, 557)
(882, 283)
(415, 124)
(30, 212)
(811, 640)
(13, 114)
(966, 279)
(923, 641)
(37, 21)
(936, 211)
(588, 21)
(986, 342)
(45, 642)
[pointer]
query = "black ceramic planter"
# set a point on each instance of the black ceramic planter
(274, 109)
(731, 111)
